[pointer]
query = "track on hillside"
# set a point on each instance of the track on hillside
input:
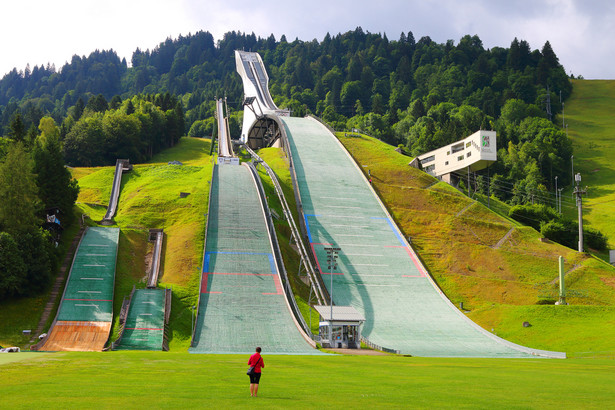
(378, 272)
(242, 303)
(85, 314)
(144, 326)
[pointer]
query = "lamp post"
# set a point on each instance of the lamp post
(332, 254)
(559, 205)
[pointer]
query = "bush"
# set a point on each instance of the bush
(595, 239)
(533, 215)
(562, 232)
(566, 232)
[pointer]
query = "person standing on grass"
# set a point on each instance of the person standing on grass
(255, 360)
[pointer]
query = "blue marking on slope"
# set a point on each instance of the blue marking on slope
(401, 240)
(307, 227)
(272, 264)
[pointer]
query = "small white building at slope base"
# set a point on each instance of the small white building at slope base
(478, 151)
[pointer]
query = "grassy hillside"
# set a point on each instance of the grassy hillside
(180, 380)
(591, 126)
(150, 198)
(501, 271)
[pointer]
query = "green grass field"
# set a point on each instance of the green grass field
(455, 238)
(180, 380)
(591, 127)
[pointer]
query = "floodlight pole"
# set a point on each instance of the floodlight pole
(331, 260)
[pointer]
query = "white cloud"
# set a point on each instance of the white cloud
(40, 31)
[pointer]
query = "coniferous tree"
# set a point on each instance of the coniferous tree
(56, 186)
(19, 202)
(18, 129)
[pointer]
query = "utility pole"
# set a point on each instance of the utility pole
(556, 208)
(572, 167)
(560, 200)
(332, 264)
(578, 192)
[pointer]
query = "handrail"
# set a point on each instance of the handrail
(302, 222)
(123, 315)
(289, 296)
(168, 295)
(378, 347)
(293, 227)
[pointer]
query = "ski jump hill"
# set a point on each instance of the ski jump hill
(378, 272)
(242, 302)
(84, 318)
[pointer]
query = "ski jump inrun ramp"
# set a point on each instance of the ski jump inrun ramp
(378, 272)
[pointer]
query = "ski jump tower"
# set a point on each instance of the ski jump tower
(260, 126)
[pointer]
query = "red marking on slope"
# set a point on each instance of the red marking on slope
(414, 260)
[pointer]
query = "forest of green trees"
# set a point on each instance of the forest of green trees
(419, 94)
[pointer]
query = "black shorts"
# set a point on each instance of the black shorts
(255, 378)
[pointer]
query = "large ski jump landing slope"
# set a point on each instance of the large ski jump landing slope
(378, 273)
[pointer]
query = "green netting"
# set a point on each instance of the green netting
(144, 327)
(89, 292)
(242, 303)
(377, 273)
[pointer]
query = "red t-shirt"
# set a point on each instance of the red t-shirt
(253, 362)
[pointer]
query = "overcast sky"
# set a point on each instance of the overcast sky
(582, 33)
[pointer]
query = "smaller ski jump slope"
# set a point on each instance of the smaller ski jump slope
(84, 318)
(378, 272)
(144, 326)
(242, 304)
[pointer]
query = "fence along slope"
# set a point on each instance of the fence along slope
(242, 303)
(378, 272)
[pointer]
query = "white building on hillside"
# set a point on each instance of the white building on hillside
(477, 152)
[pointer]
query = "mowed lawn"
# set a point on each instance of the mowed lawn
(591, 127)
(181, 380)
